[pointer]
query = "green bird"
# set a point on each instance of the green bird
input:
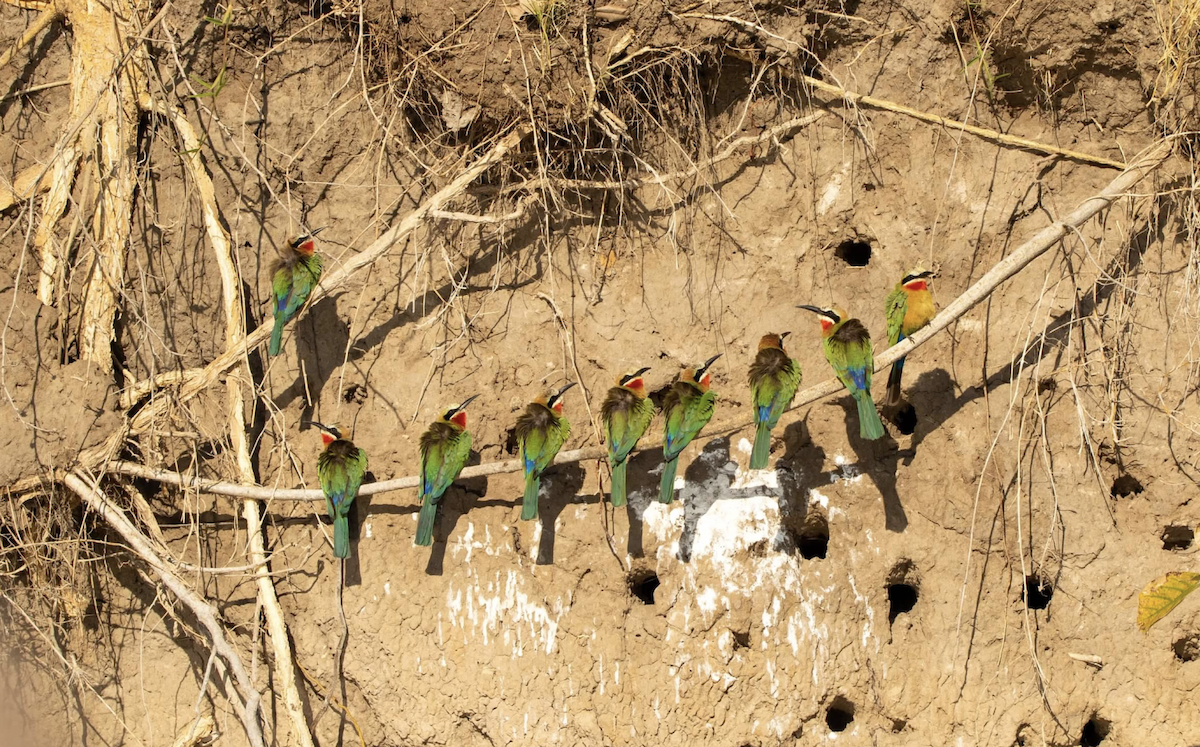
(541, 432)
(445, 446)
(295, 277)
(774, 379)
(626, 414)
(689, 404)
(340, 469)
(908, 307)
(848, 349)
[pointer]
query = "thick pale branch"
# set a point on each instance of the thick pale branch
(99, 503)
(48, 16)
(195, 382)
(891, 106)
(234, 329)
(1037, 245)
(28, 183)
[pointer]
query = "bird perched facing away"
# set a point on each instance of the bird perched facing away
(774, 379)
(689, 404)
(541, 432)
(445, 446)
(908, 307)
(295, 277)
(340, 468)
(847, 347)
(626, 414)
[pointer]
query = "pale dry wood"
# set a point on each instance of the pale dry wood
(101, 71)
(983, 132)
(1033, 248)
(30, 182)
(97, 502)
(196, 380)
(48, 16)
(234, 328)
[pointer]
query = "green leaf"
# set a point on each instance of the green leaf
(1163, 595)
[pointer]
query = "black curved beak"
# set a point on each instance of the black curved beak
(710, 361)
(813, 309)
(641, 371)
(563, 391)
(782, 335)
(466, 402)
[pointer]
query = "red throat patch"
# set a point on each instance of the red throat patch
(705, 380)
(558, 407)
(459, 419)
(327, 438)
(825, 324)
(636, 385)
(916, 285)
(306, 248)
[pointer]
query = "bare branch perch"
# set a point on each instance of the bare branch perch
(1037, 245)
(193, 382)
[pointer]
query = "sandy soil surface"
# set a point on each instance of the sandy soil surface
(972, 578)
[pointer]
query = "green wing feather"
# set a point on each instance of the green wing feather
(776, 391)
(847, 356)
(444, 459)
(685, 419)
(895, 308)
(625, 427)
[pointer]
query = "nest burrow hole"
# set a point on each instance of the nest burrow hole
(855, 252)
(813, 541)
(1125, 485)
(840, 714)
(1175, 537)
(1038, 591)
(903, 589)
(643, 584)
(1095, 731)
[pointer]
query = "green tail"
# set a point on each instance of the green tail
(666, 489)
(425, 523)
(276, 336)
(870, 426)
(618, 483)
(529, 507)
(893, 387)
(762, 446)
(341, 537)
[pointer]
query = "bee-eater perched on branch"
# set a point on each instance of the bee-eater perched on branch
(541, 432)
(626, 414)
(689, 404)
(340, 468)
(909, 307)
(445, 446)
(848, 349)
(295, 277)
(774, 379)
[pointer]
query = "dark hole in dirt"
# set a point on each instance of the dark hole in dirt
(510, 441)
(1021, 740)
(854, 252)
(1177, 537)
(905, 419)
(902, 589)
(1038, 592)
(1125, 485)
(898, 725)
(741, 639)
(901, 598)
(813, 541)
(355, 393)
(1094, 731)
(840, 714)
(642, 585)
(868, 187)
(1187, 648)
(1047, 385)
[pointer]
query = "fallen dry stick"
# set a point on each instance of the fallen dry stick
(1036, 246)
(97, 502)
